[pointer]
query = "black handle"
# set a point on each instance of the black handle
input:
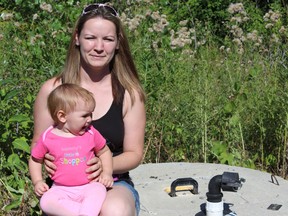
(183, 182)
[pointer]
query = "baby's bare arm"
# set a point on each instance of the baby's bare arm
(35, 169)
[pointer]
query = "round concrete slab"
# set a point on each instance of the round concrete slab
(261, 194)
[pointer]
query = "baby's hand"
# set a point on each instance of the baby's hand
(40, 188)
(106, 180)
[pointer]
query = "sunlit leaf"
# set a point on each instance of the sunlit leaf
(13, 205)
(20, 118)
(21, 144)
(11, 94)
(234, 120)
(229, 107)
(13, 159)
(12, 190)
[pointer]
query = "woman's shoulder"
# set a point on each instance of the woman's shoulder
(49, 85)
(131, 101)
(134, 96)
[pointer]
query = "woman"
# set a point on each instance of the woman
(99, 59)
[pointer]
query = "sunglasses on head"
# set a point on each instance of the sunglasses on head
(96, 6)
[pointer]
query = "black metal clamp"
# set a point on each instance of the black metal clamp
(183, 182)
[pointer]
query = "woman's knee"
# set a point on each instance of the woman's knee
(119, 202)
(118, 209)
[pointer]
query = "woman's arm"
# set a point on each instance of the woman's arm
(42, 119)
(134, 123)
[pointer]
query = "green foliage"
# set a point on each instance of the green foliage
(216, 81)
(16, 187)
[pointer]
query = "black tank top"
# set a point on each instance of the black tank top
(111, 127)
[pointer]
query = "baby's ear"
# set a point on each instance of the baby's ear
(61, 116)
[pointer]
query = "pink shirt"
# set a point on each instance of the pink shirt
(70, 153)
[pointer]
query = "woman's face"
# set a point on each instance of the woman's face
(98, 41)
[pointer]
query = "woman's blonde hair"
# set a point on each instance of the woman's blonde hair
(66, 97)
(123, 71)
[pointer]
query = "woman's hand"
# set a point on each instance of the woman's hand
(50, 167)
(95, 168)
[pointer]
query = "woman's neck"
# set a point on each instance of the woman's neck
(94, 74)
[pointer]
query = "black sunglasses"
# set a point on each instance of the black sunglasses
(95, 7)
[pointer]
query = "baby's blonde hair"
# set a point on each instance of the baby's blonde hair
(66, 96)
